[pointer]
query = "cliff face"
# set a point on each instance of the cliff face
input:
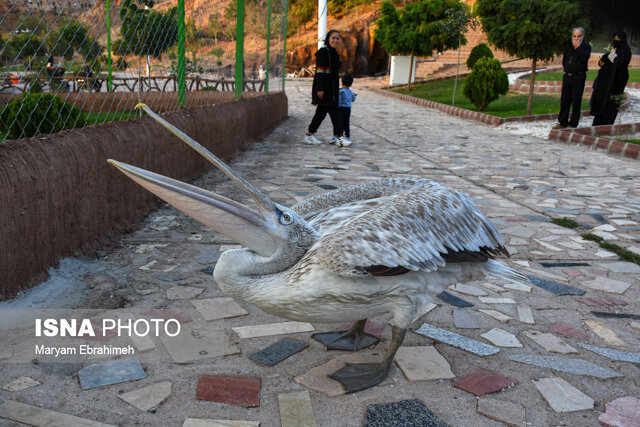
(360, 53)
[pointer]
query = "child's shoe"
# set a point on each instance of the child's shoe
(311, 140)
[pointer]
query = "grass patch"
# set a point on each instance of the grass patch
(634, 75)
(623, 253)
(511, 105)
(632, 141)
(565, 222)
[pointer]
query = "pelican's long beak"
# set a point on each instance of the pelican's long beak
(264, 202)
(229, 218)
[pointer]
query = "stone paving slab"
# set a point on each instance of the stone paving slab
(422, 364)
(621, 412)
(232, 389)
(147, 397)
(509, 413)
(562, 396)
(401, 414)
(456, 340)
(194, 344)
(218, 308)
(277, 352)
(111, 372)
(565, 364)
(604, 332)
(296, 409)
(481, 382)
(273, 329)
(33, 415)
(20, 383)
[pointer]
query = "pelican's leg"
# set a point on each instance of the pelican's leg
(360, 376)
(353, 339)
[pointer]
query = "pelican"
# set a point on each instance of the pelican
(382, 247)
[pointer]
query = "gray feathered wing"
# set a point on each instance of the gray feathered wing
(414, 230)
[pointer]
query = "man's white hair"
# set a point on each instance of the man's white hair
(578, 28)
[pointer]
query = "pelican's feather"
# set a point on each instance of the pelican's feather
(420, 227)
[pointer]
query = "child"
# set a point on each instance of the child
(344, 106)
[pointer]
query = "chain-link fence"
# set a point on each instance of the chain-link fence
(73, 63)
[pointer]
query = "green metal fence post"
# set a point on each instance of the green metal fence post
(284, 48)
(182, 86)
(266, 87)
(109, 60)
(239, 48)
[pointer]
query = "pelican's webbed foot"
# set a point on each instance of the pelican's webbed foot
(360, 376)
(354, 339)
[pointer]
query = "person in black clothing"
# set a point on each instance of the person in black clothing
(574, 61)
(612, 78)
(326, 85)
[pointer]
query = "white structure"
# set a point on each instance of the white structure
(322, 22)
(400, 70)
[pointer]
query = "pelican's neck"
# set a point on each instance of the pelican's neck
(239, 272)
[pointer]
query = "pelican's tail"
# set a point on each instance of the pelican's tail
(502, 271)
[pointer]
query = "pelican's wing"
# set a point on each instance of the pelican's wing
(417, 229)
(327, 219)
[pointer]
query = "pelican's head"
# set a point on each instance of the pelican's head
(271, 231)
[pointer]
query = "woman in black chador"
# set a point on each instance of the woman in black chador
(611, 80)
(325, 90)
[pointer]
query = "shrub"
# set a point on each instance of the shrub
(38, 113)
(480, 51)
(486, 82)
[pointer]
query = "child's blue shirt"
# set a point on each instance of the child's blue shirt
(346, 97)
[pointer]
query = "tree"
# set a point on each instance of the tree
(145, 31)
(481, 50)
(457, 24)
(533, 29)
(419, 28)
(486, 82)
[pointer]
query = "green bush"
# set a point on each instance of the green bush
(480, 51)
(38, 113)
(486, 83)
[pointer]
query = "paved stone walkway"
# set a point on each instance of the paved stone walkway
(519, 182)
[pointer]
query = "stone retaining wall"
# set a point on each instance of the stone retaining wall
(59, 197)
(126, 101)
(555, 87)
(590, 137)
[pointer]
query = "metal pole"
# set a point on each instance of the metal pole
(266, 86)
(322, 22)
(284, 48)
(182, 87)
(239, 48)
(109, 60)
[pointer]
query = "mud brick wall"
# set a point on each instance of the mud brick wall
(59, 197)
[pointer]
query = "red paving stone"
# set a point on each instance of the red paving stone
(481, 382)
(571, 273)
(234, 390)
(602, 301)
(622, 412)
(566, 330)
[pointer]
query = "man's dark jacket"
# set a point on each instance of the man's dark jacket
(576, 60)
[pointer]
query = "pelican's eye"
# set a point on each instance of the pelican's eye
(286, 219)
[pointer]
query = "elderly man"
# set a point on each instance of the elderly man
(574, 60)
